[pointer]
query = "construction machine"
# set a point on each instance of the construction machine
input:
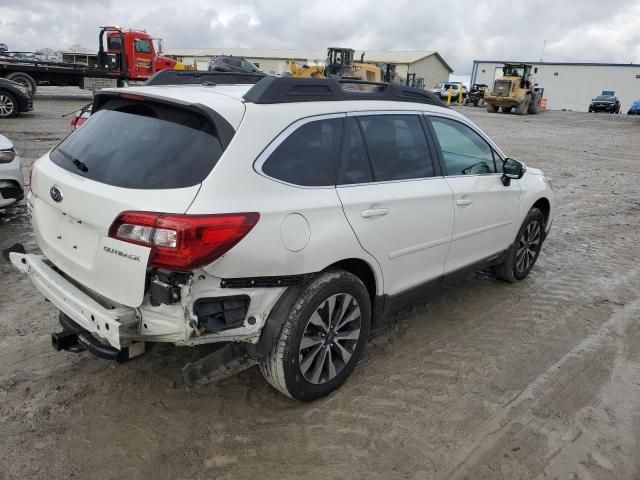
(299, 70)
(340, 64)
(515, 89)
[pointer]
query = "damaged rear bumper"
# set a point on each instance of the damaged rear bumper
(108, 324)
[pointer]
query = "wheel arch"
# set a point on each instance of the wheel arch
(544, 206)
(364, 271)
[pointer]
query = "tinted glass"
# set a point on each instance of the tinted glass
(143, 46)
(397, 147)
(354, 162)
(605, 98)
(309, 156)
(464, 151)
(141, 145)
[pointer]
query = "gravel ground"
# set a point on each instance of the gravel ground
(539, 379)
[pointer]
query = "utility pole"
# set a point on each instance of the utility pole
(544, 46)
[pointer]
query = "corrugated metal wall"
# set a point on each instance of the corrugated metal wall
(572, 86)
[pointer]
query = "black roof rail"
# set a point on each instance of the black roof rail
(195, 77)
(303, 89)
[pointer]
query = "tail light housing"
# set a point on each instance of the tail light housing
(183, 242)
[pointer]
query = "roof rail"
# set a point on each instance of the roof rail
(195, 77)
(300, 89)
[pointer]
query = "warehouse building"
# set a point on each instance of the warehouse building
(571, 86)
(425, 64)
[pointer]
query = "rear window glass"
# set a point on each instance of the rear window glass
(309, 156)
(142, 145)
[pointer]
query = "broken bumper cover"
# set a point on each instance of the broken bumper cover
(89, 315)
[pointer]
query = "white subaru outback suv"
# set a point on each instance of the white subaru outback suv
(282, 218)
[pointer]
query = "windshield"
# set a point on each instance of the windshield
(511, 71)
(141, 145)
(604, 98)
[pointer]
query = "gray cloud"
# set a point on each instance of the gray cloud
(461, 31)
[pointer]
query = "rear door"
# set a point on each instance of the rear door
(484, 208)
(129, 156)
(399, 207)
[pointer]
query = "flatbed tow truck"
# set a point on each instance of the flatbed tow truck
(129, 55)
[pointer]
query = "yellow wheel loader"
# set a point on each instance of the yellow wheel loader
(516, 89)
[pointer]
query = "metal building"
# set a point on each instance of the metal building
(425, 64)
(571, 86)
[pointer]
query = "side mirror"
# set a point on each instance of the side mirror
(512, 170)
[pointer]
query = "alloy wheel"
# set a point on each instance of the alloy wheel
(330, 338)
(528, 246)
(6, 105)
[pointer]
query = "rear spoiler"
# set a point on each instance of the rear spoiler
(223, 127)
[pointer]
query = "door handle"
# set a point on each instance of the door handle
(374, 212)
(463, 202)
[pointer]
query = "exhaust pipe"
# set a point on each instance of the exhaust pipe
(64, 340)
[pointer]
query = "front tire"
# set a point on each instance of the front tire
(524, 252)
(491, 108)
(322, 337)
(8, 105)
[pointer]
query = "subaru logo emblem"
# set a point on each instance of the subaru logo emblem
(56, 193)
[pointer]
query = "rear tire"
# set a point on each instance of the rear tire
(24, 79)
(8, 105)
(491, 108)
(322, 337)
(522, 255)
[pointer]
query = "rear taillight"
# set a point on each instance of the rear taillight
(183, 242)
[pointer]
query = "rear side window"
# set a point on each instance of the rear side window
(309, 156)
(141, 145)
(354, 162)
(397, 147)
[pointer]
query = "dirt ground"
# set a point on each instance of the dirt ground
(539, 379)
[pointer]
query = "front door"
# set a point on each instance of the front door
(484, 208)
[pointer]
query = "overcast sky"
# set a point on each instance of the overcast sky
(460, 30)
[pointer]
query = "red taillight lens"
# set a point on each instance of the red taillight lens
(183, 242)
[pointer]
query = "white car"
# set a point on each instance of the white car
(11, 178)
(282, 218)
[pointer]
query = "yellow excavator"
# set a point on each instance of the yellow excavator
(339, 64)
(299, 70)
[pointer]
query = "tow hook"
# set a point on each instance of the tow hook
(65, 340)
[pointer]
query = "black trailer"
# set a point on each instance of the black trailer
(32, 73)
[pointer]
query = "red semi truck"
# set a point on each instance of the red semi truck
(123, 55)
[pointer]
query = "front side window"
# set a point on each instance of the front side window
(397, 147)
(309, 156)
(142, 46)
(464, 151)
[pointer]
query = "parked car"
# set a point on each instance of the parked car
(81, 116)
(224, 63)
(15, 98)
(11, 179)
(455, 90)
(635, 108)
(605, 103)
(437, 88)
(282, 218)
